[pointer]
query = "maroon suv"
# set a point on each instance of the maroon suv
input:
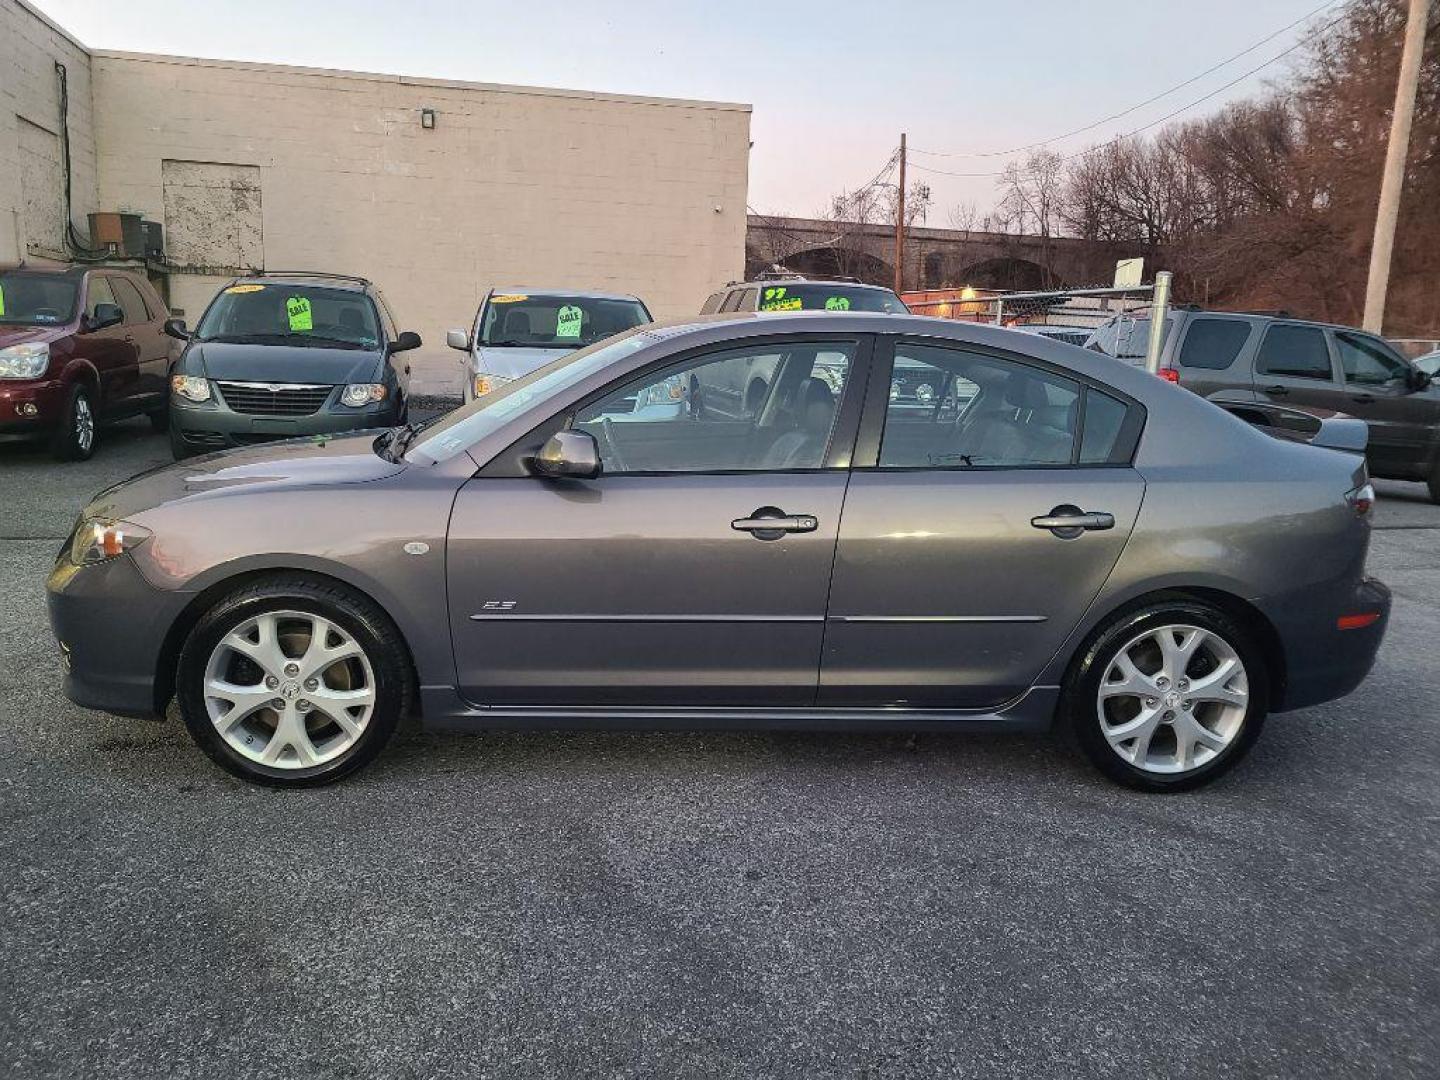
(79, 345)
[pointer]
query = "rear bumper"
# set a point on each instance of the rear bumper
(110, 624)
(1328, 663)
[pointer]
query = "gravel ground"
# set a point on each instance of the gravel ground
(708, 905)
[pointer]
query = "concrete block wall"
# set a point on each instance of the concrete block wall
(513, 185)
(30, 46)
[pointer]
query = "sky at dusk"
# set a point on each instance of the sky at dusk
(832, 84)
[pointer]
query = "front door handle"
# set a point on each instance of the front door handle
(771, 523)
(1364, 399)
(1277, 391)
(1068, 522)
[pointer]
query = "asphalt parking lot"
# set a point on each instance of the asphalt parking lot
(712, 905)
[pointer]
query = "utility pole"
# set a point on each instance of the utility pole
(900, 222)
(1388, 211)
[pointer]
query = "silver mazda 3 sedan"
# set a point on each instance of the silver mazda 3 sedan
(1050, 537)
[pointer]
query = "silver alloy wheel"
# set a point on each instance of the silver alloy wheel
(84, 423)
(289, 689)
(1173, 698)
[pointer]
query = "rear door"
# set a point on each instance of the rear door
(661, 583)
(1293, 366)
(1403, 422)
(953, 586)
(152, 347)
(1209, 354)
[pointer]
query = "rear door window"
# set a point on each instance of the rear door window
(130, 301)
(1296, 352)
(1213, 343)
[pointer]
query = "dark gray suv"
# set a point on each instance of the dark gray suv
(1276, 360)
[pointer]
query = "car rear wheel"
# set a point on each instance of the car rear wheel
(75, 436)
(1168, 698)
(293, 682)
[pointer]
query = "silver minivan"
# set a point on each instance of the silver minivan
(517, 330)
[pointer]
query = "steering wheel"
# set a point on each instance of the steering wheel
(614, 450)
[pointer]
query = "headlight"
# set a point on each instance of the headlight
(96, 540)
(488, 384)
(191, 387)
(27, 361)
(362, 393)
(665, 392)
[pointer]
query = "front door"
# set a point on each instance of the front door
(693, 572)
(978, 530)
(111, 350)
(1402, 421)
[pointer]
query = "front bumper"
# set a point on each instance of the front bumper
(1325, 664)
(215, 426)
(111, 625)
(18, 397)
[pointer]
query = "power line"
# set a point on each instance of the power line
(1134, 108)
(1168, 116)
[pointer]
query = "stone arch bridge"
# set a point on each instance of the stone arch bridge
(934, 258)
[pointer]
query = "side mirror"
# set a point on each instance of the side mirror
(176, 329)
(569, 453)
(105, 315)
(458, 339)
(1415, 379)
(407, 340)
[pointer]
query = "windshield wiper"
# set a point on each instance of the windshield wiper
(400, 438)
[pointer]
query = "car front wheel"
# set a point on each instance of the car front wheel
(1168, 698)
(293, 682)
(75, 436)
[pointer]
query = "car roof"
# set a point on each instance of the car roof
(1248, 316)
(586, 294)
(801, 280)
(67, 270)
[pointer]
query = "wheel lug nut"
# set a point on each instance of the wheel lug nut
(1151, 702)
(1184, 684)
(311, 684)
(277, 703)
(271, 682)
(292, 669)
(1185, 704)
(1162, 682)
(303, 705)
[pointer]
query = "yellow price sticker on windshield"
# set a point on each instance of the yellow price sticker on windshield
(837, 303)
(508, 298)
(568, 322)
(2, 300)
(244, 288)
(297, 308)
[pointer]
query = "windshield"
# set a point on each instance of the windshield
(556, 322)
(829, 297)
(1127, 338)
(271, 313)
(469, 424)
(37, 299)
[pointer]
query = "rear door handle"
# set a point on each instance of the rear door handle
(1068, 522)
(1278, 391)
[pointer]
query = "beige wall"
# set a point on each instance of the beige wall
(31, 191)
(514, 185)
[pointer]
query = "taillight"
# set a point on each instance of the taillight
(1358, 621)
(1361, 499)
(1169, 374)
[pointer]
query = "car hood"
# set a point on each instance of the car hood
(19, 335)
(511, 362)
(282, 363)
(320, 460)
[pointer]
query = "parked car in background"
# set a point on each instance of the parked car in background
(1429, 363)
(517, 330)
(1280, 360)
(792, 292)
(79, 346)
(1032, 559)
(278, 355)
(1071, 335)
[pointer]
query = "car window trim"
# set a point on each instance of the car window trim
(839, 452)
(877, 402)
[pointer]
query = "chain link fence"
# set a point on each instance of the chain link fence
(1065, 314)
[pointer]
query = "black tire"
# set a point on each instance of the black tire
(70, 442)
(370, 627)
(1080, 718)
(159, 419)
(1434, 483)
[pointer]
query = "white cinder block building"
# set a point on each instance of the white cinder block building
(258, 166)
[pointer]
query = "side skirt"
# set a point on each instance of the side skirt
(445, 710)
